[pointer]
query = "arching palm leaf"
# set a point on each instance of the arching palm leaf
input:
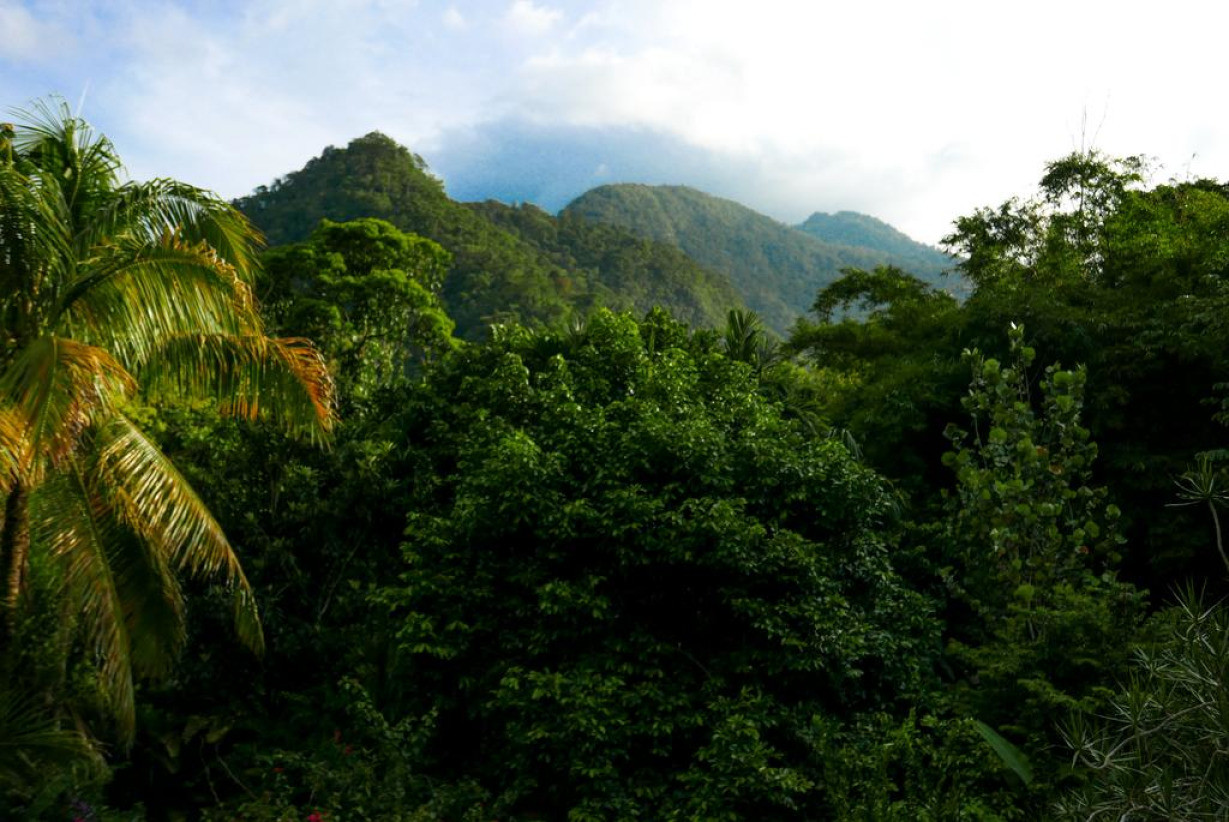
(140, 296)
(250, 376)
(145, 492)
(72, 523)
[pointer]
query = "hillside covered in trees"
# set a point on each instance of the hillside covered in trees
(849, 228)
(776, 268)
(280, 544)
(616, 246)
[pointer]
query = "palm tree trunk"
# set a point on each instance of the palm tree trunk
(14, 555)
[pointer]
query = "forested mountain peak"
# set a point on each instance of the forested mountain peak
(508, 263)
(857, 229)
(373, 176)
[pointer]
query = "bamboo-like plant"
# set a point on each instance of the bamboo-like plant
(1158, 750)
(1204, 484)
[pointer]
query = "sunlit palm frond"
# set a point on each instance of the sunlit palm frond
(55, 388)
(148, 211)
(250, 377)
(148, 495)
(136, 296)
(301, 369)
(15, 453)
(66, 148)
(77, 528)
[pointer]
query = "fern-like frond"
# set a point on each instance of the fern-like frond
(149, 496)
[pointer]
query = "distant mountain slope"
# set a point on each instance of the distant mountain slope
(776, 268)
(634, 272)
(863, 231)
(507, 263)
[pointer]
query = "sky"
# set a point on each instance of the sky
(915, 112)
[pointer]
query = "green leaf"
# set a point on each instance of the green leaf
(1008, 753)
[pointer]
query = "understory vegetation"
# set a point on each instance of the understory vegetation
(356, 528)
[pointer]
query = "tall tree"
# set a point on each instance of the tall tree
(106, 288)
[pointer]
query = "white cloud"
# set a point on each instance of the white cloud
(26, 38)
(887, 88)
(527, 17)
(916, 112)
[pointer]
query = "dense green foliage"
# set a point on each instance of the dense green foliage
(897, 369)
(621, 567)
(777, 269)
(633, 587)
(369, 293)
(1131, 284)
(1033, 545)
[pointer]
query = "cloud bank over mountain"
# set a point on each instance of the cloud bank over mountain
(914, 112)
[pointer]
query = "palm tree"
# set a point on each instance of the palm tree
(109, 288)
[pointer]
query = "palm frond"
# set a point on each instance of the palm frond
(154, 609)
(149, 496)
(137, 295)
(32, 740)
(148, 211)
(66, 148)
(251, 377)
(34, 242)
(55, 388)
(15, 453)
(75, 525)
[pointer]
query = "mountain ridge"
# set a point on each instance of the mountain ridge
(778, 269)
(626, 245)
